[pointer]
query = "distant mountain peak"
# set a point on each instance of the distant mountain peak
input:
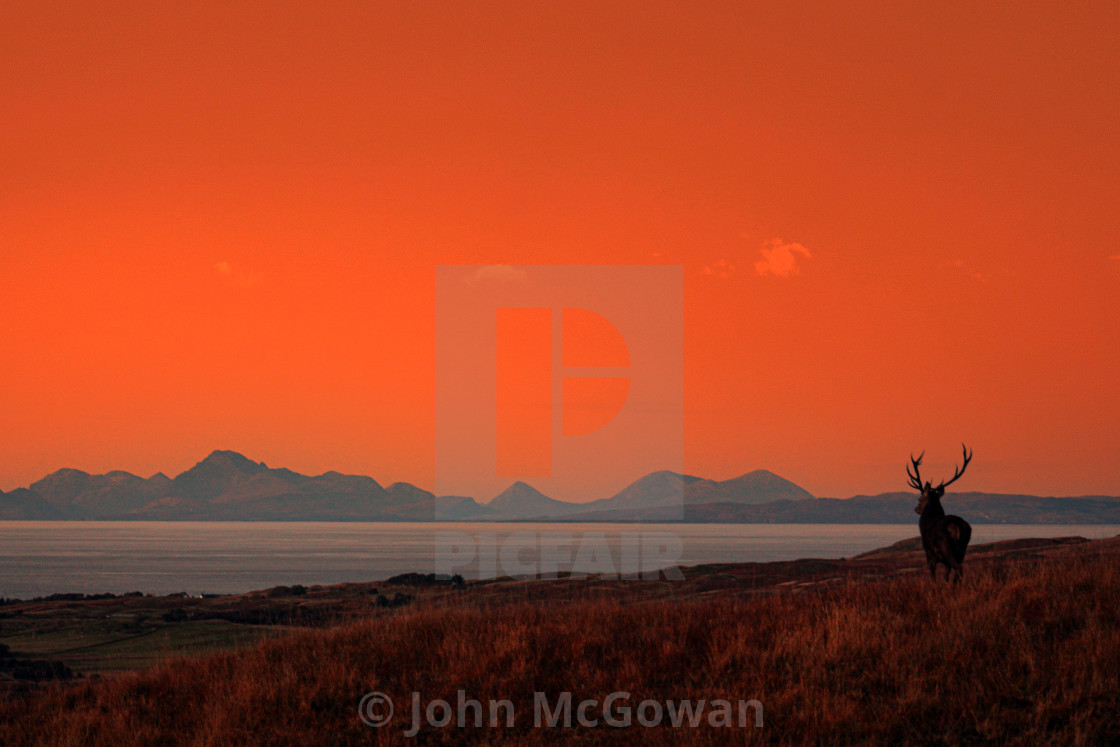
(216, 474)
(68, 472)
(668, 474)
(62, 485)
(523, 500)
(755, 475)
(757, 486)
(240, 462)
(663, 487)
(520, 488)
(407, 488)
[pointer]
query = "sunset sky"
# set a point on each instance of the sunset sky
(897, 225)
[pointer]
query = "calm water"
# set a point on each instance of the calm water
(40, 558)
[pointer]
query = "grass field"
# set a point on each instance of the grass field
(1025, 651)
(108, 646)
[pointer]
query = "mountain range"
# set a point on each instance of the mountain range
(226, 486)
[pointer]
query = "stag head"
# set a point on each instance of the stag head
(928, 491)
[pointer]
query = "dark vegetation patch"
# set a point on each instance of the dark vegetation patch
(867, 650)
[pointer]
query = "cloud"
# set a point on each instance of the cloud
(497, 273)
(780, 259)
(1115, 257)
(972, 272)
(721, 268)
(243, 279)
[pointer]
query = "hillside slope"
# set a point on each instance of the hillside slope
(1024, 651)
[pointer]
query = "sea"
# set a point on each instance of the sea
(40, 558)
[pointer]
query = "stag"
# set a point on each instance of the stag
(944, 538)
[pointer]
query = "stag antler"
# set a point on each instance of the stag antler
(916, 478)
(958, 472)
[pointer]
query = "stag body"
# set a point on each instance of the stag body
(944, 538)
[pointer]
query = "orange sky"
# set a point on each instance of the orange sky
(219, 228)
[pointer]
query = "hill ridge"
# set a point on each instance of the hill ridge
(228, 486)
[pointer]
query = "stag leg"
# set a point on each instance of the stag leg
(946, 553)
(956, 570)
(931, 559)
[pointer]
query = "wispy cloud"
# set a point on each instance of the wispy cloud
(244, 279)
(780, 259)
(721, 268)
(497, 273)
(973, 273)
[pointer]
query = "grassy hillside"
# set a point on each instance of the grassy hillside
(1026, 651)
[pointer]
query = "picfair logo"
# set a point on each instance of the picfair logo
(593, 368)
(567, 377)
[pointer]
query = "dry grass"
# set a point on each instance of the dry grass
(1023, 653)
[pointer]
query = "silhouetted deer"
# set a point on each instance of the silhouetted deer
(945, 538)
